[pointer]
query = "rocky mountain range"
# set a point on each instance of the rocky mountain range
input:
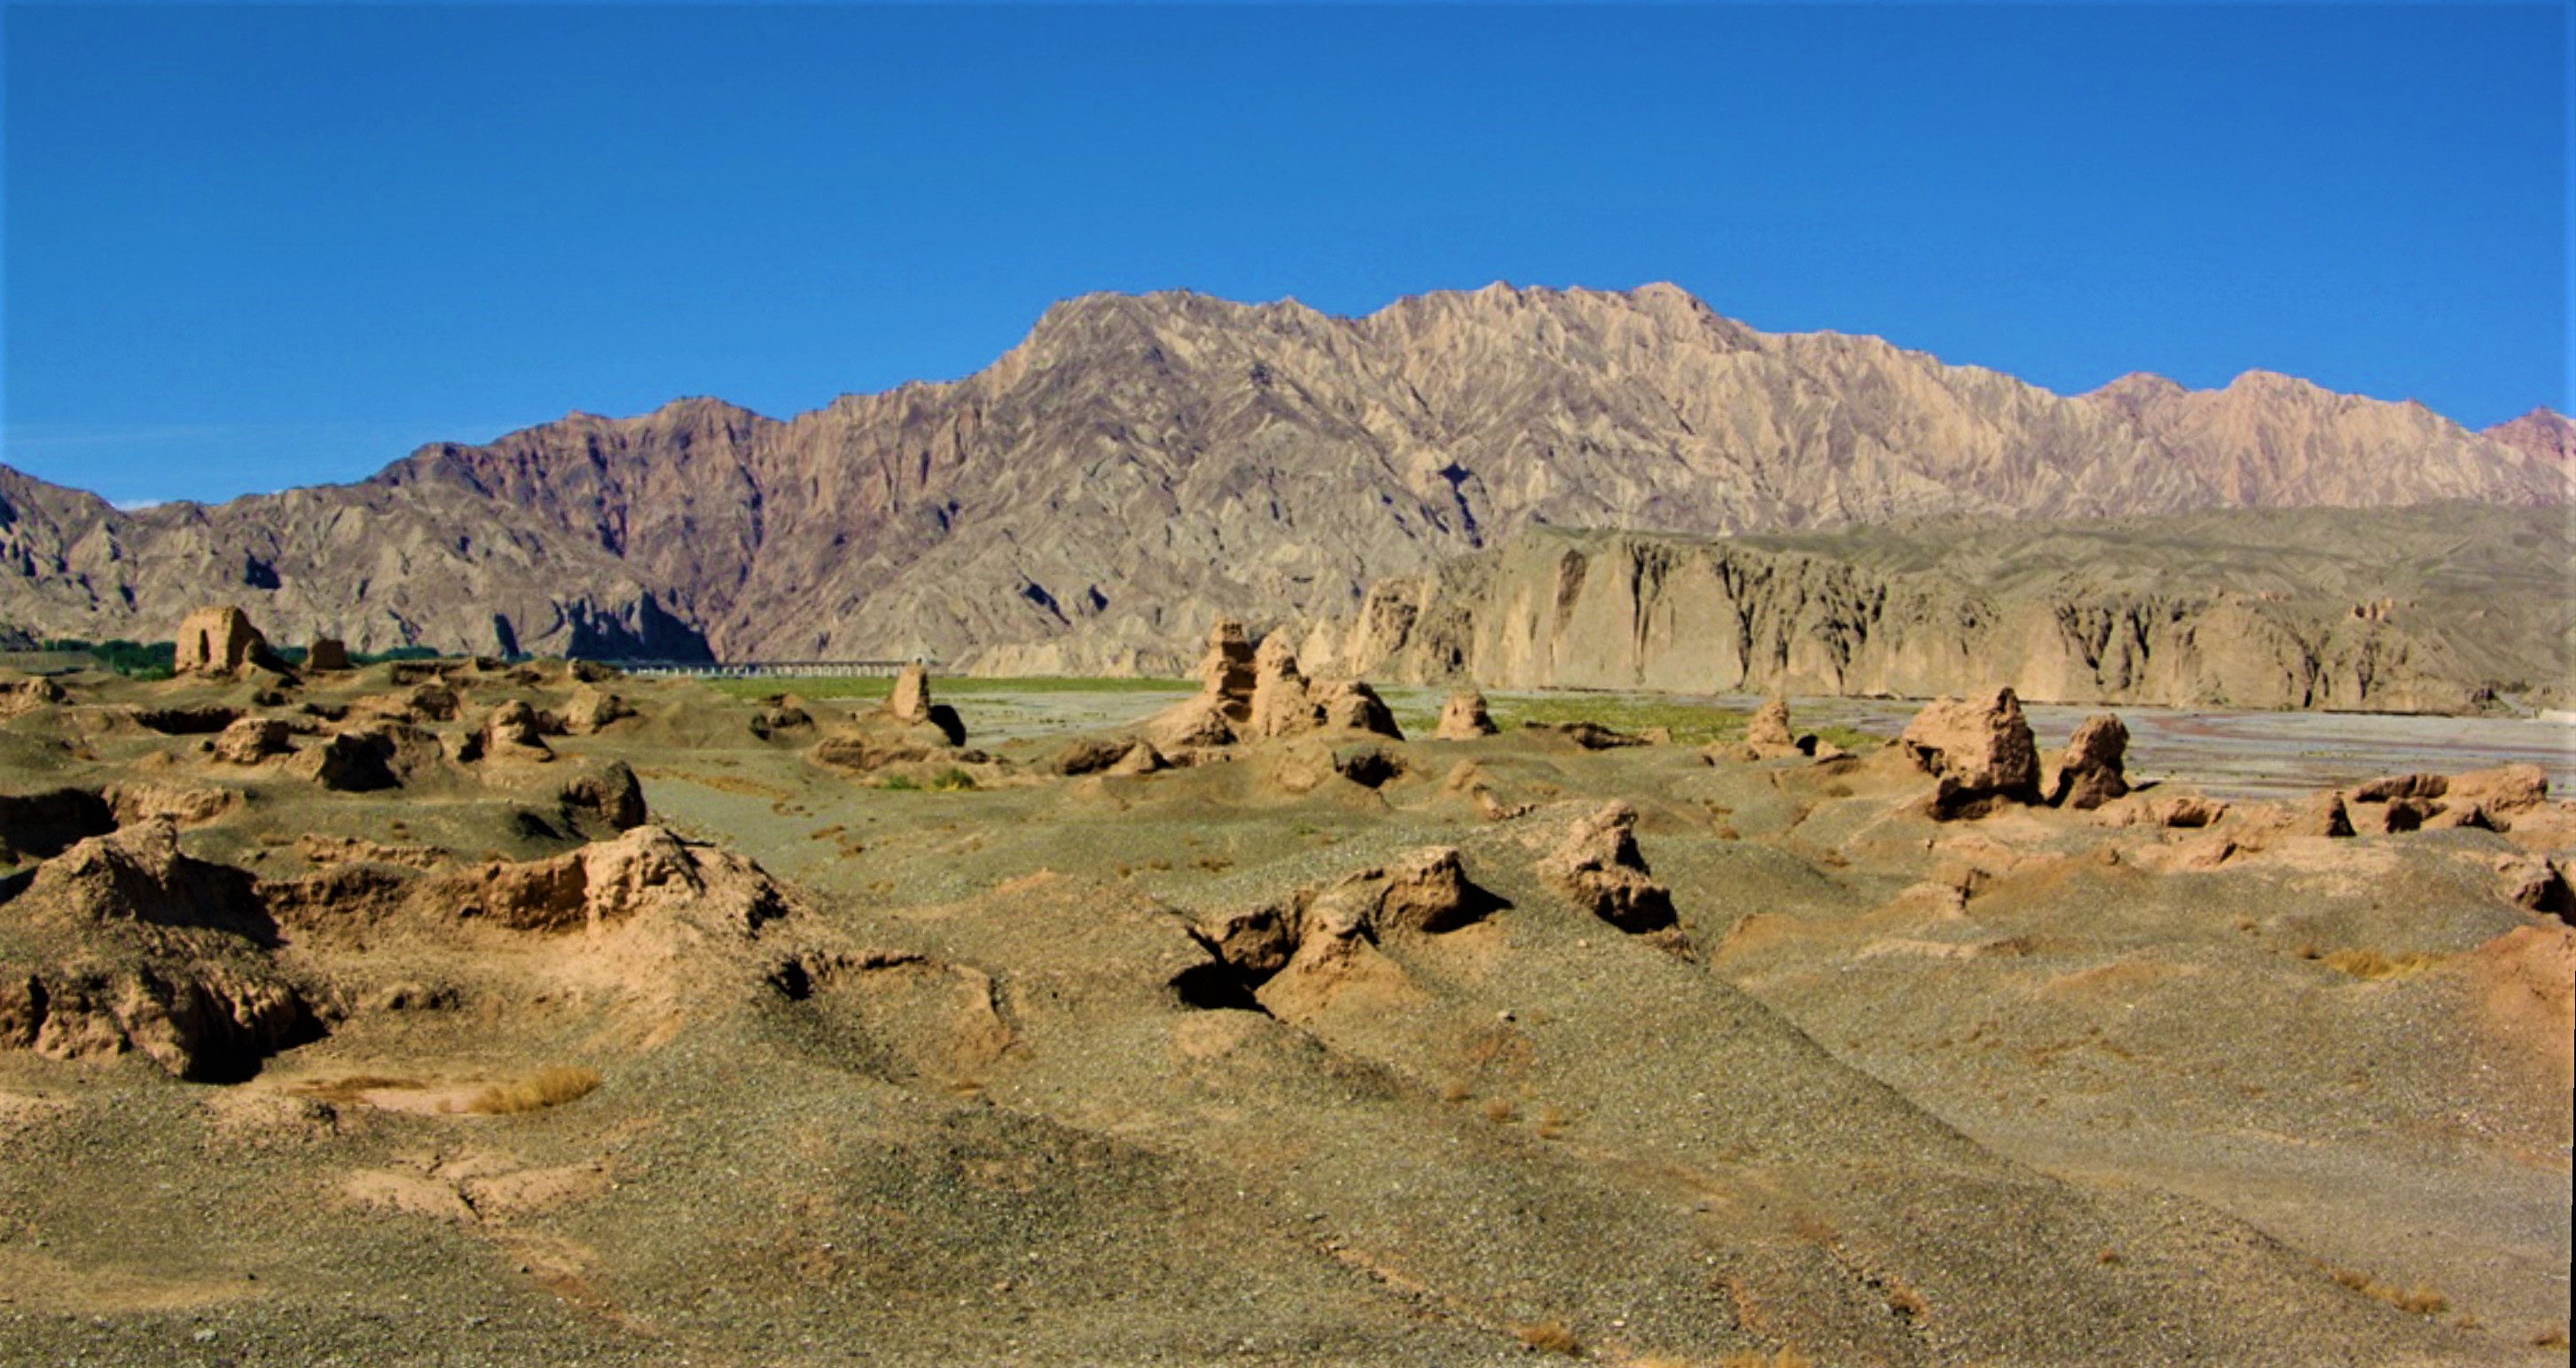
(1140, 464)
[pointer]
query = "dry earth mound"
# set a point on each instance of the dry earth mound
(1248, 1059)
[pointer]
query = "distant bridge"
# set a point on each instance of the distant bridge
(759, 669)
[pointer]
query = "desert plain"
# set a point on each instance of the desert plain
(506, 1012)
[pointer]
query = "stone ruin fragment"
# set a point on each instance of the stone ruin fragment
(1767, 736)
(514, 731)
(2090, 772)
(2489, 799)
(221, 640)
(1295, 955)
(1464, 718)
(909, 705)
(1246, 695)
(133, 946)
(1979, 752)
(1599, 868)
(908, 728)
(250, 740)
(19, 696)
(327, 653)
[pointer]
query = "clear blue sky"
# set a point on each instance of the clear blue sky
(248, 247)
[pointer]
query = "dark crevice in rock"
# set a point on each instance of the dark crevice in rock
(43, 825)
(204, 721)
(1218, 986)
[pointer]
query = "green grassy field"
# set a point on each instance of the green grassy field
(1692, 724)
(953, 686)
(1416, 709)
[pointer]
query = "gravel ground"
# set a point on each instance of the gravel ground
(2083, 1113)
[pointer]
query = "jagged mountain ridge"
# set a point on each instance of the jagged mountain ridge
(2540, 433)
(378, 564)
(1140, 463)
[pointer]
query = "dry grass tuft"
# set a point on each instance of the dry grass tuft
(1549, 1335)
(536, 1092)
(1551, 1122)
(1456, 1091)
(2554, 1337)
(2423, 1300)
(2374, 966)
(1784, 1357)
(352, 1088)
(1905, 1301)
(2419, 1299)
(1500, 1111)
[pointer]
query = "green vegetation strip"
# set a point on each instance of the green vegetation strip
(1692, 724)
(954, 686)
(1416, 709)
(155, 659)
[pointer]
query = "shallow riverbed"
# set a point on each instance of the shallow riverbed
(2245, 754)
(2266, 754)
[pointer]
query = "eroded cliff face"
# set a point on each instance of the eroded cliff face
(1139, 465)
(1902, 615)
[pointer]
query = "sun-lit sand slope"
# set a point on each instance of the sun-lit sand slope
(484, 1013)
